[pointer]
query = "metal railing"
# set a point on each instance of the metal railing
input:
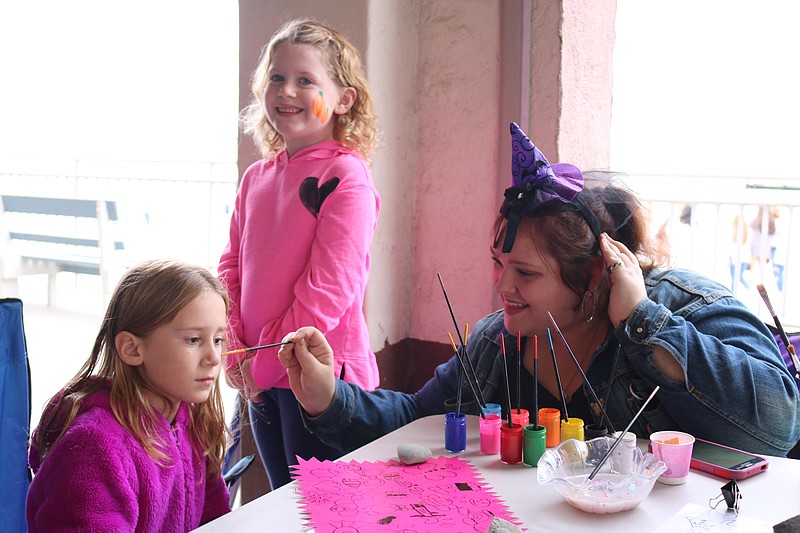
(183, 218)
(700, 217)
(711, 224)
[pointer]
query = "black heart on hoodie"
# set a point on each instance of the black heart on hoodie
(313, 196)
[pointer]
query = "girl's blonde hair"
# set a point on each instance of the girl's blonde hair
(357, 129)
(149, 295)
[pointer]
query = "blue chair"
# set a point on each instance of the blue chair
(238, 470)
(235, 465)
(15, 416)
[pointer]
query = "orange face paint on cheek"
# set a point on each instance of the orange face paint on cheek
(318, 107)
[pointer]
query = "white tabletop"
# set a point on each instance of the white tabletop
(772, 496)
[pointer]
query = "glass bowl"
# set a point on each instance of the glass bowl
(624, 480)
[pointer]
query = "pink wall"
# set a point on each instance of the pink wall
(586, 83)
(455, 196)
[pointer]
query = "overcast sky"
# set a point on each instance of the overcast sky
(104, 79)
(702, 87)
(707, 87)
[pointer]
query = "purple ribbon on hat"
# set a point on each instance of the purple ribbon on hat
(534, 183)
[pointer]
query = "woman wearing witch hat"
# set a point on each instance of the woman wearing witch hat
(577, 248)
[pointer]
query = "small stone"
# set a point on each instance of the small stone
(411, 454)
(498, 525)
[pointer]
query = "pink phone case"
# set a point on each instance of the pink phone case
(759, 464)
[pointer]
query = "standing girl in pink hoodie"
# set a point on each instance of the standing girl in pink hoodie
(301, 230)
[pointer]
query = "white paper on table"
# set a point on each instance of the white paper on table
(694, 518)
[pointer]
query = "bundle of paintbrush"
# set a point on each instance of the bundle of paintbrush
(465, 363)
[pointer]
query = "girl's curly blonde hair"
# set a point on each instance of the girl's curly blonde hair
(357, 129)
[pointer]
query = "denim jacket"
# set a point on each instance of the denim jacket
(737, 389)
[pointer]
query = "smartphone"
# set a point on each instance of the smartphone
(724, 461)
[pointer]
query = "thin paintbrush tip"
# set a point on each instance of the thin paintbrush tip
(252, 348)
(764, 296)
(452, 342)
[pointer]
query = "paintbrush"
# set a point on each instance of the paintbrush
(620, 439)
(464, 369)
(519, 371)
(583, 375)
(460, 377)
(611, 377)
(477, 387)
(243, 350)
(558, 376)
(785, 338)
(508, 385)
(535, 382)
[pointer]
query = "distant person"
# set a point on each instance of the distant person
(580, 249)
(301, 230)
(678, 238)
(135, 441)
(739, 255)
(762, 244)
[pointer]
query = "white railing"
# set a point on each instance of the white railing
(720, 210)
(173, 217)
(188, 218)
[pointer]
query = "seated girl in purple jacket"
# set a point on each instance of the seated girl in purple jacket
(135, 441)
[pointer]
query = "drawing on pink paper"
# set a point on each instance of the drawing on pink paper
(441, 494)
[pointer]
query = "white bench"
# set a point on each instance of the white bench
(41, 235)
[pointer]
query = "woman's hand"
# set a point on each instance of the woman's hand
(625, 278)
(309, 364)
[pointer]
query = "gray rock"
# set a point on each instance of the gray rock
(411, 454)
(498, 525)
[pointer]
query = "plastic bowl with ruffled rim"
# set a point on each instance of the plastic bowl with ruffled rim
(624, 480)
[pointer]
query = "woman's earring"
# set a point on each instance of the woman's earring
(583, 306)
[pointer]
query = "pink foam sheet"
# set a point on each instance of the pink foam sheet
(441, 494)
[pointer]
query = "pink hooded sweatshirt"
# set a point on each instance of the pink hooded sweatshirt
(298, 255)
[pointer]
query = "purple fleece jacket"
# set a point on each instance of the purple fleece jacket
(99, 478)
